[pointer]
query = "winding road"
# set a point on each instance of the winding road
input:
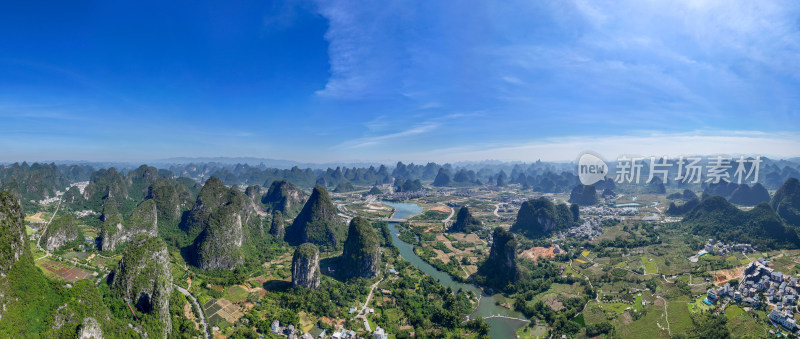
(197, 305)
(449, 217)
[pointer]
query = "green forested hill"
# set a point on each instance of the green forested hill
(716, 217)
(786, 201)
(317, 223)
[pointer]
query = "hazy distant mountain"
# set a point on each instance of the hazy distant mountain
(267, 162)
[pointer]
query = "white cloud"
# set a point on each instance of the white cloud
(785, 145)
(395, 136)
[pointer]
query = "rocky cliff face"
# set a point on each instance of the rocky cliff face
(276, 228)
(219, 244)
(13, 244)
(226, 220)
(90, 329)
(140, 179)
(143, 220)
(502, 257)
(285, 197)
(318, 222)
(305, 266)
(171, 199)
(465, 222)
(253, 192)
(61, 231)
(362, 253)
(143, 277)
(107, 185)
(213, 195)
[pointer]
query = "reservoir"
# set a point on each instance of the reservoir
(487, 307)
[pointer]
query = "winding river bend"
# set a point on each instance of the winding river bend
(501, 327)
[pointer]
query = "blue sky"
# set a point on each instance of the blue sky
(398, 80)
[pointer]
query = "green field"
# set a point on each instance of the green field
(645, 327)
(680, 319)
(76, 255)
(733, 311)
(556, 290)
(531, 332)
(619, 308)
(742, 325)
(236, 294)
(649, 266)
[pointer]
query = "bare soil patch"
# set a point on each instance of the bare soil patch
(444, 209)
(626, 318)
(534, 253)
(723, 276)
(554, 304)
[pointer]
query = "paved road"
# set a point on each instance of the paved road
(197, 305)
(452, 213)
(496, 209)
(39, 240)
(363, 314)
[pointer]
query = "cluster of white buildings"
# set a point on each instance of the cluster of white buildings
(607, 210)
(404, 195)
(779, 291)
(289, 331)
(591, 227)
(293, 333)
(721, 248)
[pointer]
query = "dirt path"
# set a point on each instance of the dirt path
(666, 314)
(596, 294)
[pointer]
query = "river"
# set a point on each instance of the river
(499, 327)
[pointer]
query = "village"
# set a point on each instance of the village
(778, 291)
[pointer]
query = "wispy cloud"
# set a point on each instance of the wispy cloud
(656, 60)
(377, 140)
